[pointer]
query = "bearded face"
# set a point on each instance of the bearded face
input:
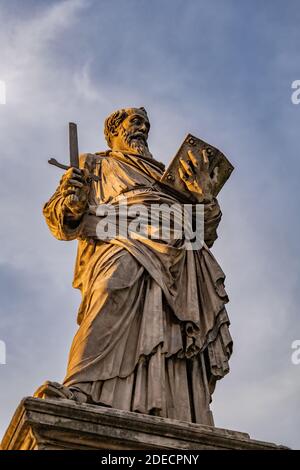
(133, 134)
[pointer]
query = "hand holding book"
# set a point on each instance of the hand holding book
(198, 171)
(195, 174)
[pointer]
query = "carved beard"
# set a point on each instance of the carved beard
(137, 143)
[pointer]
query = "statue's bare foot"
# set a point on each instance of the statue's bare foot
(56, 391)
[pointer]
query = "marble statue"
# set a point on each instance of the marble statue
(153, 333)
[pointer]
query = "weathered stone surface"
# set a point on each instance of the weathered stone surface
(62, 424)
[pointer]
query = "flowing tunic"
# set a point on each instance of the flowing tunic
(153, 329)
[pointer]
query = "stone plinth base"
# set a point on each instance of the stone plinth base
(62, 424)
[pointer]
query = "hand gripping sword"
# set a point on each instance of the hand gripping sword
(74, 154)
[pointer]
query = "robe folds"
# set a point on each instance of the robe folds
(153, 331)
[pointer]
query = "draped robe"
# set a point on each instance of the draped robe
(153, 331)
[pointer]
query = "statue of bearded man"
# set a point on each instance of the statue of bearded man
(153, 332)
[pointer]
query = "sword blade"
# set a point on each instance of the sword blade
(73, 141)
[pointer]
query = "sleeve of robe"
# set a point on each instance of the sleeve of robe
(56, 214)
(212, 218)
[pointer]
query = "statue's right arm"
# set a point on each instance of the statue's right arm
(65, 209)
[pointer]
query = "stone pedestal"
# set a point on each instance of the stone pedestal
(62, 424)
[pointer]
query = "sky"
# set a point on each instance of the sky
(219, 69)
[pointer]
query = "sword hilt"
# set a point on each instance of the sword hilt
(54, 162)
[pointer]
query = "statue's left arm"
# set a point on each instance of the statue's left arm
(212, 218)
(196, 176)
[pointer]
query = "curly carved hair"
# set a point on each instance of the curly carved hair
(113, 121)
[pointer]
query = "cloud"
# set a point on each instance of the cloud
(219, 70)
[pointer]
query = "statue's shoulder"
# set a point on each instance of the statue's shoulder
(88, 160)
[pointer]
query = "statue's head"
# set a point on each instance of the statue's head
(127, 130)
